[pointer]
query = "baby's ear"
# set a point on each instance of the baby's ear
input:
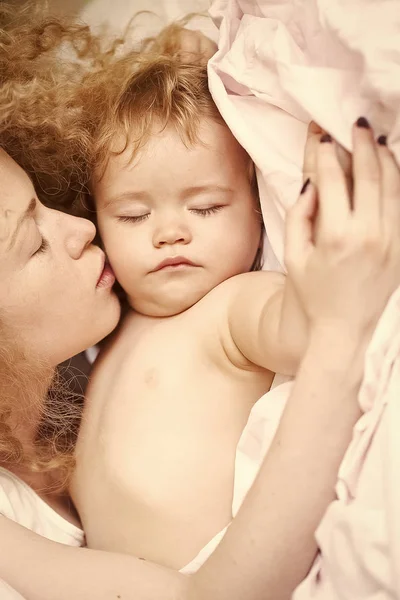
(195, 47)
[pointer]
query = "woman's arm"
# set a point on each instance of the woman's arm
(268, 548)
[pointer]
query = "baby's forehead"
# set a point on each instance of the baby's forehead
(213, 148)
(167, 161)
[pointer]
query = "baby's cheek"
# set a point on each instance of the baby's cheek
(130, 285)
(111, 239)
(123, 265)
(101, 229)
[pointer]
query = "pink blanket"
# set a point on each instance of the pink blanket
(280, 64)
(359, 536)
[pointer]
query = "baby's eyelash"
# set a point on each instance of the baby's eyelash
(203, 212)
(43, 247)
(127, 219)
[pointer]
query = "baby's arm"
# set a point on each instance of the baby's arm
(266, 321)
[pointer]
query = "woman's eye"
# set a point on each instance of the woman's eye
(203, 212)
(137, 219)
(42, 248)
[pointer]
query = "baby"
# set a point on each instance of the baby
(179, 216)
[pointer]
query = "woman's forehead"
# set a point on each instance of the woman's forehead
(15, 185)
(8, 167)
(4, 225)
(16, 192)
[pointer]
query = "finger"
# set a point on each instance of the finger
(346, 162)
(390, 185)
(366, 174)
(314, 133)
(300, 225)
(314, 128)
(334, 200)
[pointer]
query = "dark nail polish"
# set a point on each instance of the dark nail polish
(326, 138)
(305, 186)
(382, 140)
(362, 122)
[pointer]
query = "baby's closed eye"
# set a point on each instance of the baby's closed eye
(204, 212)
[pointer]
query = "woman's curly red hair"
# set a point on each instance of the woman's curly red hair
(43, 59)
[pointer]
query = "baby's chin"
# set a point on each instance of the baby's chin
(164, 306)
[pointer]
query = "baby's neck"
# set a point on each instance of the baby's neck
(132, 314)
(140, 320)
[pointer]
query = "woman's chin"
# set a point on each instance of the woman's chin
(101, 327)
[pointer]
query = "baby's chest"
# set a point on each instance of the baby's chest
(171, 403)
(171, 374)
(170, 413)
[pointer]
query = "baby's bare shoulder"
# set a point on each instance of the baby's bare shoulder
(209, 320)
(202, 329)
(245, 284)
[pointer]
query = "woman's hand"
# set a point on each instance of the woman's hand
(346, 264)
(314, 134)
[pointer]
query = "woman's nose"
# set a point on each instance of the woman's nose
(80, 234)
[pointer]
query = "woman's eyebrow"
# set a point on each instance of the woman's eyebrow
(25, 215)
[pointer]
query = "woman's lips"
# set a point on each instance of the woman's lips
(107, 277)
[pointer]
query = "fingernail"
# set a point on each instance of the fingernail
(325, 138)
(362, 122)
(382, 140)
(305, 186)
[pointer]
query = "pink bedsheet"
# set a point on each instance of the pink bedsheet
(359, 536)
(282, 63)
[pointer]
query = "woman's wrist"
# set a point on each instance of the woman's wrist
(341, 336)
(338, 349)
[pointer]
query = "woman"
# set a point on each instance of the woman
(56, 299)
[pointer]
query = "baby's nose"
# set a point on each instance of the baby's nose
(171, 234)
